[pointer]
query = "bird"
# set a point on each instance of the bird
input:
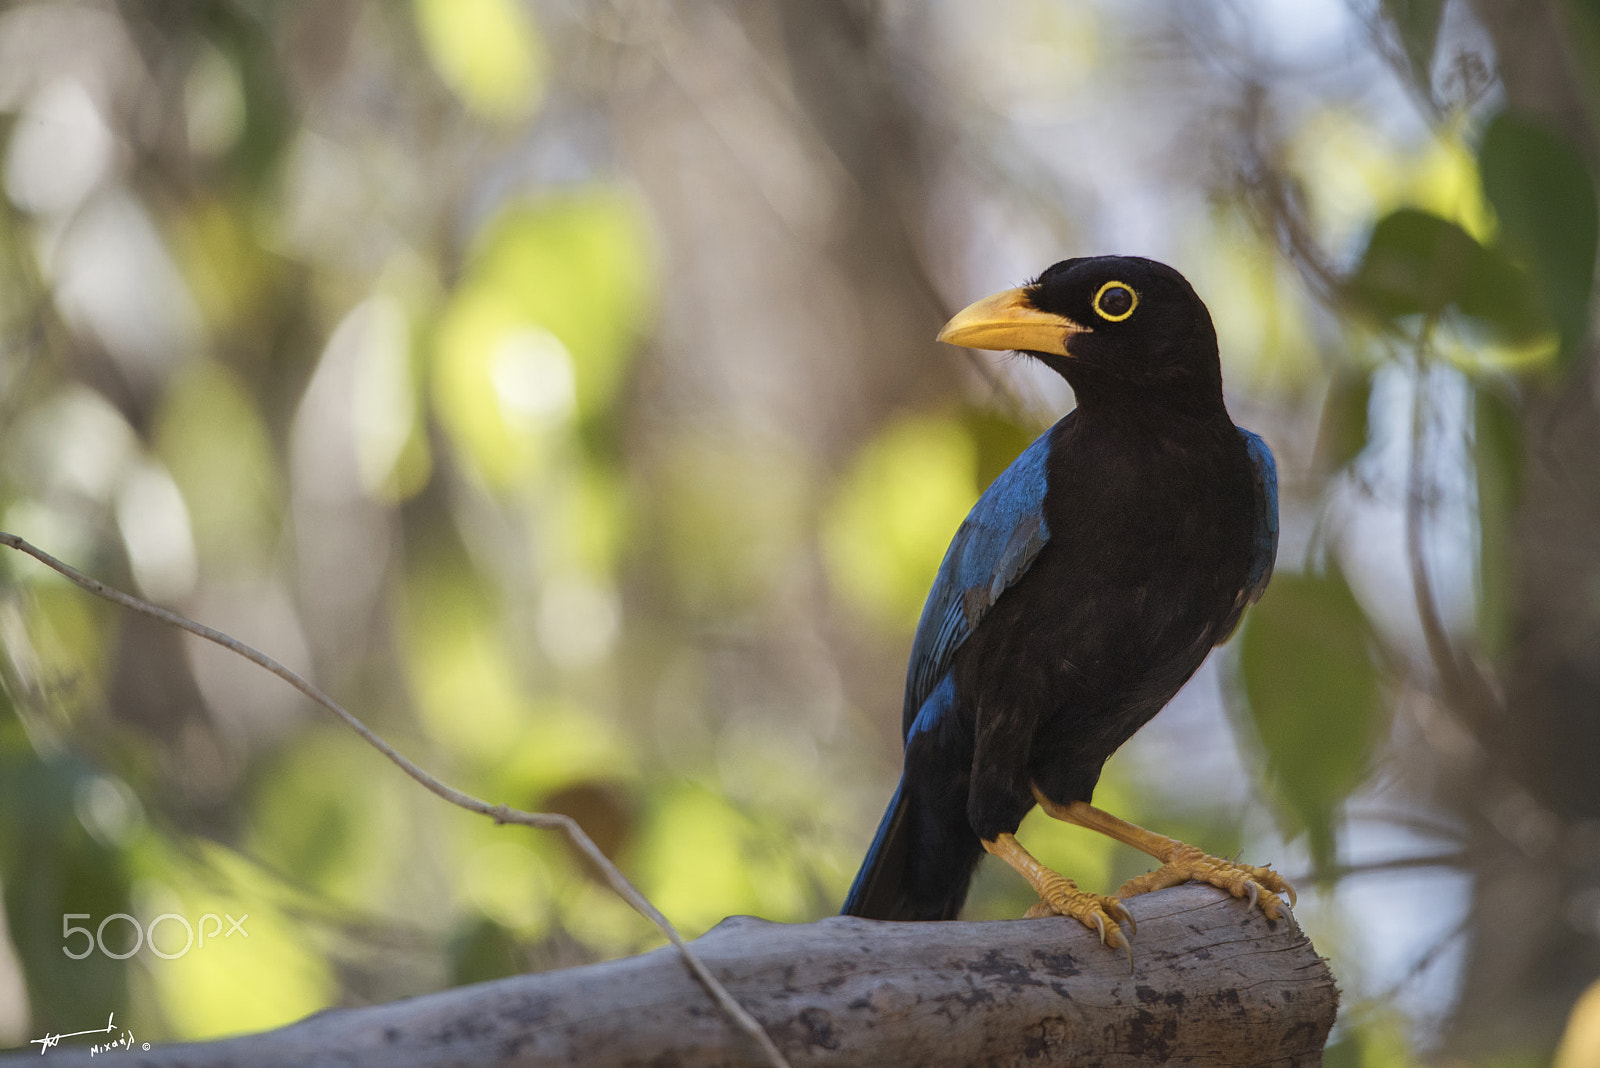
(1085, 587)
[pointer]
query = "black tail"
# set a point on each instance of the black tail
(919, 865)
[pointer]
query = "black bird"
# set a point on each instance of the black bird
(1085, 587)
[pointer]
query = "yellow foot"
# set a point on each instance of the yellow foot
(1184, 862)
(1060, 896)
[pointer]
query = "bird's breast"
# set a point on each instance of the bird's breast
(1150, 536)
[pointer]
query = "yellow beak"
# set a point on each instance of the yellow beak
(1008, 321)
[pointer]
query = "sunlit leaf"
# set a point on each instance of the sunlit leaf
(265, 974)
(1376, 1036)
(564, 745)
(895, 513)
(234, 279)
(692, 860)
(1258, 307)
(312, 812)
(213, 440)
(487, 51)
(509, 882)
(730, 522)
(1351, 173)
(483, 381)
(577, 265)
(1580, 1042)
(595, 916)
(1544, 196)
(592, 522)
(539, 332)
(461, 673)
(1313, 697)
(63, 650)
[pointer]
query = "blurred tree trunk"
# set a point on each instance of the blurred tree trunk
(786, 169)
(1534, 927)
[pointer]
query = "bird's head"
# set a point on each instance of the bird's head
(1106, 324)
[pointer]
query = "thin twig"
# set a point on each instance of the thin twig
(1433, 629)
(1456, 858)
(1467, 691)
(499, 813)
(1425, 961)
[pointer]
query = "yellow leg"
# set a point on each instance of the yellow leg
(1060, 896)
(1179, 862)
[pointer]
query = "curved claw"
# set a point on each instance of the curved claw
(1102, 915)
(1184, 862)
(1114, 938)
(1289, 889)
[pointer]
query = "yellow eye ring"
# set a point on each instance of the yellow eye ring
(1118, 317)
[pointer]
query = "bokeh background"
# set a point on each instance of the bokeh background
(553, 381)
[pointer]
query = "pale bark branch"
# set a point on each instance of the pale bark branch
(1213, 984)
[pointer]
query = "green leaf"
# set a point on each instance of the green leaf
(268, 120)
(1313, 698)
(483, 950)
(1544, 197)
(1497, 449)
(1418, 24)
(1417, 263)
(51, 866)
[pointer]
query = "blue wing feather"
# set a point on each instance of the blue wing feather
(994, 546)
(1003, 534)
(1264, 544)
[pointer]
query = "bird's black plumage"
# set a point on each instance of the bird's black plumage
(1087, 585)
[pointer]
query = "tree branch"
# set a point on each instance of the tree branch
(1213, 984)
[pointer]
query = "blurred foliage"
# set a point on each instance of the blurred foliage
(1313, 697)
(1580, 1044)
(1497, 451)
(1379, 1042)
(1417, 264)
(488, 51)
(887, 531)
(1544, 198)
(55, 865)
(554, 384)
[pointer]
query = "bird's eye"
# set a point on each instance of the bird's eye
(1115, 301)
